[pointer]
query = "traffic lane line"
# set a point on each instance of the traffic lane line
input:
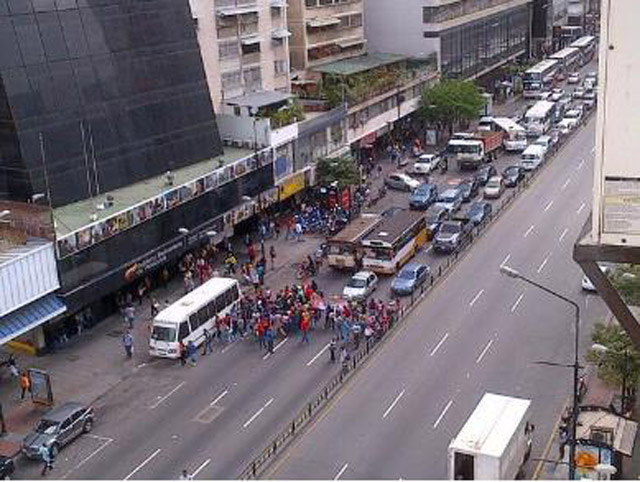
(393, 404)
(162, 399)
(319, 354)
(442, 414)
(543, 264)
(199, 469)
(580, 164)
(566, 183)
(514, 307)
(476, 297)
(506, 259)
(528, 232)
(275, 348)
(440, 343)
(258, 413)
(145, 462)
(219, 397)
(548, 206)
(580, 208)
(484, 352)
(564, 233)
(340, 472)
(105, 441)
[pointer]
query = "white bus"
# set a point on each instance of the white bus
(539, 77)
(186, 319)
(569, 60)
(587, 47)
(515, 136)
(539, 119)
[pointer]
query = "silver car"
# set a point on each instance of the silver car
(57, 428)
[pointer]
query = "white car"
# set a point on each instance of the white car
(425, 164)
(545, 142)
(361, 285)
(556, 95)
(565, 126)
(494, 187)
(573, 78)
(401, 181)
(575, 113)
(587, 285)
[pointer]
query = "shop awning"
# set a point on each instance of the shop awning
(323, 22)
(28, 317)
(280, 33)
(343, 44)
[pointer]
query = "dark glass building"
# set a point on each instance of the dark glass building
(106, 92)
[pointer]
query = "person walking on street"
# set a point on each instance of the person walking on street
(46, 453)
(130, 315)
(155, 307)
(298, 231)
(208, 340)
(185, 475)
(305, 325)
(272, 255)
(332, 350)
(191, 353)
(127, 342)
(25, 384)
(269, 335)
(182, 353)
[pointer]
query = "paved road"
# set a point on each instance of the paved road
(212, 419)
(478, 331)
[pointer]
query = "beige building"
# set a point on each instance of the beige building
(324, 31)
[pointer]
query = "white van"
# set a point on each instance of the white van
(186, 319)
(532, 157)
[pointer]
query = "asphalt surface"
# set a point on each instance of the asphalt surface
(399, 414)
(214, 418)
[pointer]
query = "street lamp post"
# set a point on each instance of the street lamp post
(512, 273)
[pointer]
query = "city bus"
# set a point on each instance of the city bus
(568, 59)
(539, 77)
(344, 248)
(394, 241)
(539, 119)
(186, 319)
(587, 47)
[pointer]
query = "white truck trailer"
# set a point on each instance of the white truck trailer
(494, 442)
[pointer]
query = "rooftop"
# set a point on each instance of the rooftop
(359, 64)
(10, 251)
(74, 216)
(259, 99)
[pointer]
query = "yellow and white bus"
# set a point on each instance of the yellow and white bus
(394, 241)
(345, 251)
(186, 319)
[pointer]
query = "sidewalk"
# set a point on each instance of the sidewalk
(94, 362)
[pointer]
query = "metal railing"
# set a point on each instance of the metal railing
(319, 401)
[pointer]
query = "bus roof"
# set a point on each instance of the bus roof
(542, 66)
(390, 229)
(194, 300)
(583, 42)
(507, 124)
(564, 53)
(540, 109)
(356, 229)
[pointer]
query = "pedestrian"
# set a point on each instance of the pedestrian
(272, 256)
(155, 307)
(260, 268)
(182, 352)
(298, 231)
(191, 353)
(208, 340)
(13, 366)
(269, 335)
(25, 384)
(185, 475)
(332, 350)
(46, 453)
(305, 325)
(130, 315)
(127, 342)
(3, 426)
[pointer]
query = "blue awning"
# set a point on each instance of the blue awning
(28, 317)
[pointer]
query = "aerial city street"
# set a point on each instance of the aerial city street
(312, 239)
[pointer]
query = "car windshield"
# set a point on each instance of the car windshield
(449, 228)
(407, 274)
(493, 183)
(448, 196)
(356, 283)
(163, 333)
(422, 191)
(572, 114)
(511, 171)
(433, 217)
(475, 209)
(48, 427)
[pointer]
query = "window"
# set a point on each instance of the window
(280, 66)
(356, 20)
(231, 79)
(65, 425)
(184, 331)
(228, 50)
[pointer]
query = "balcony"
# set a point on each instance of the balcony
(336, 9)
(236, 7)
(321, 36)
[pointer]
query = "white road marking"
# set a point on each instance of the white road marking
(548, 206)
(440, 343)
(199, 469)
(515, 305)
(505, 260)
(428, 249)
(146, 461)
(257, 414)
(476, 297)
(341, 471)
(580, 165)
(566, 183)
(219, 397)
(528, 232)
(275, 348)
(318, 355)
(162, 399)
(106, 441)
(393, 404)
(593, 149)
(444, 412)
(484, 352)
(564, 233)
(543, 264)
(142, 365)
(580, 208)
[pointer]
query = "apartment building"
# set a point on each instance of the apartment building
(325, 31)
(470, 37)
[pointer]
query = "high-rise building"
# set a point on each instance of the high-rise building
(470, 37)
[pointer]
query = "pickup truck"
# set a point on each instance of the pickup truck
(471, 150)
(452, 234)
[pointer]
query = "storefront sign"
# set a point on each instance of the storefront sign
(292, 185)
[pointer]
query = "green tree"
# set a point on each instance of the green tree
(449, 103)
(342, 170)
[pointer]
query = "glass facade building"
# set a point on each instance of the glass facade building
(97, 94)
(475, 47)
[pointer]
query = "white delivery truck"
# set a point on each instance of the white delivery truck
(495, 441)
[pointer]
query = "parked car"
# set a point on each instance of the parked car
(485, 173)
(6, 467)
(587, 285)
(574, 78)
(478, 212)
(589, 100)
(565, 126)
(556, 95)
(494, 188)
(513, 175)
(593, 76)
(360, 285)
(401, 181)
(411, 277)
(575, 113)
(424, 196)
(452, 235)
(578, 93)
(469, 188)
(391, 211)
(545, 142)
(450, 199)
(532, 157)
(57, 428)
(425, 164)
(434, 216)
